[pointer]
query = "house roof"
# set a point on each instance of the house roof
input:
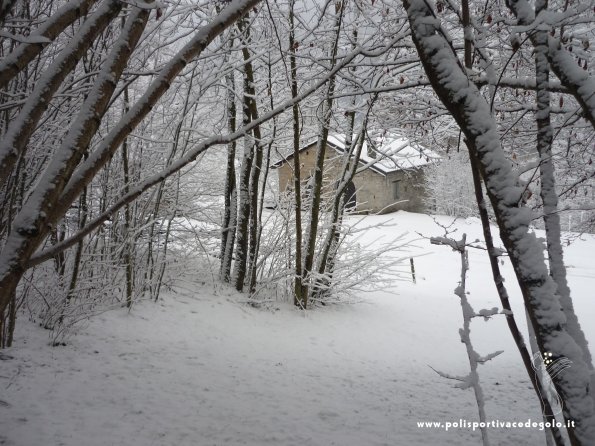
(393, 153)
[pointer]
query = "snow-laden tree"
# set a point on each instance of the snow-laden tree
(121, 94)
(85, 147)
(103, 101)
(342, 46)
(449, 184)
(555, 324)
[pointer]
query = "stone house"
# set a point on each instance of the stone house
(390, 175)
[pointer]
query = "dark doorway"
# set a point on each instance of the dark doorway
(350, 199)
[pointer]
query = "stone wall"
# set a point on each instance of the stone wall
(308, 162)
(375, 193)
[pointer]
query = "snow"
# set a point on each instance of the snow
(393, 152)
(145, 4)
(577, 80)
(473, 114)
(20, 129)
(25, 39)
(202, 368)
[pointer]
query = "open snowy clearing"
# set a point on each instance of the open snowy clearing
(202, 368)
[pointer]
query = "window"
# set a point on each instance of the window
(396, 189)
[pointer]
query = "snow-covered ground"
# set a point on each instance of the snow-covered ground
(202, 368)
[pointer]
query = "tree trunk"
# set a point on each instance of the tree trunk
(127, 240)
(230, 210)
(256, 168)
(34, 222)
(245, 202)
(315, 201)
(298, 284)
(472, 113)
(577, 81)
(23, 54)
(549, 196)
(14, 141)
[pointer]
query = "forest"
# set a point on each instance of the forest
(140, 142)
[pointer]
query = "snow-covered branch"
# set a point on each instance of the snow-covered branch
(573, 77)
(33, 44)
(472, 113)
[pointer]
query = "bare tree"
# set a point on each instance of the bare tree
(66, 177)
(462, 98)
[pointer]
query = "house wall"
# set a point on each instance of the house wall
(308, 163)
(374, 191)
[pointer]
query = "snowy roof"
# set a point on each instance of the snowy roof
(393, 153)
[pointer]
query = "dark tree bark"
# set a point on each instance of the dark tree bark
(31, 229)
(298, 283)
(23, 54)
(577, 81)
(15, 140)
(316, 196)
(472, 113)
(230, 211)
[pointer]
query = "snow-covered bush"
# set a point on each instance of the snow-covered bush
(449, 186)
(354, 266)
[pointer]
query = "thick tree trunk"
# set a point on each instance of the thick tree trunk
(549, 195)
(14, 142)
(254, 222)
(245, 202)
(230, 211)
(127, 239)
(231, 234)
(241, 249)
(464, 101)
(33, 223)
(248, 221)
(562, 63)
(23, 54)
(83, 214)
